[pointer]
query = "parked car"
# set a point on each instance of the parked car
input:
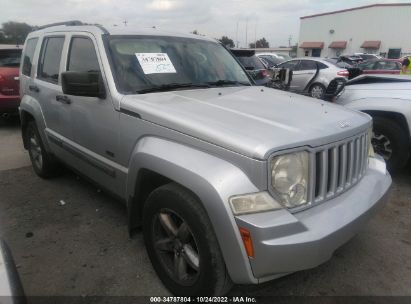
(11, 289)
(253, 65)
(380, 66)
(272, 60)
(386, 99)
(230, 183)
(315, 77)
(9, 82)
(352, 60)
(366, 56)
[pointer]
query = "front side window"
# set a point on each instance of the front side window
(82, 56)
(49, 65)
(28, 56)
(290, 64)
(143, 63)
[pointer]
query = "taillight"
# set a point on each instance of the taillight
(265, 73)
(343, 73)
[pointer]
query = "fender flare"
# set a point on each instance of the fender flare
(211, 179)
(381, 105)
(31, 106)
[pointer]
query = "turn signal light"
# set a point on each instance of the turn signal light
(247, 241)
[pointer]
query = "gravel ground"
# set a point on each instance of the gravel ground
(68, 238)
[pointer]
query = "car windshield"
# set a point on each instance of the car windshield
(145, 64)
(10, 58)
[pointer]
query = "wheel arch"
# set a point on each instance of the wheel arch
(156, 161)
(397, 117)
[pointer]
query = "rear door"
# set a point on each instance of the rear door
(47, 86)
(303, 74)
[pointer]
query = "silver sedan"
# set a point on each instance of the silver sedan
(315, 77)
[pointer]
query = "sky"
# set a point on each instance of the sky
(276, 20)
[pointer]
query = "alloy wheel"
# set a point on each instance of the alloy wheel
(176, 247)
(317, 92)
(382, 145)
(35, 150)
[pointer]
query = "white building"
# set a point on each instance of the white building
(380, 29)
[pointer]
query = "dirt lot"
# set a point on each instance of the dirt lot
(82, 247)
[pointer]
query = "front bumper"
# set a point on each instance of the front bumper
(9, 104)
(285, 242)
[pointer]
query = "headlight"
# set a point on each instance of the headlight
(253, 203)
(289, 178)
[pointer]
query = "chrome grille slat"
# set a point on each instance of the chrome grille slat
(323, 173)
(336, 168)
(334, 171)
(343, 166)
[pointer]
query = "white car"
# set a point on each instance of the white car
(387, 98)
(271, 60)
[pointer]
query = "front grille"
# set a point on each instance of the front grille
(337, 167)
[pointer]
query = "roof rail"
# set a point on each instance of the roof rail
(67, 23)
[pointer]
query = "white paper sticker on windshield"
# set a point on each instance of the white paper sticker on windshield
(155, 63)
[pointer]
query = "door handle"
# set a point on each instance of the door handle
(34, 88)
(63, 99)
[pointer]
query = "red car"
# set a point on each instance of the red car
(9, 79)
(381, 66)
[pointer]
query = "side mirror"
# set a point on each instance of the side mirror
(89, 84)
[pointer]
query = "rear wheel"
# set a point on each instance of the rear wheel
(181, 243)
(391, 142)
(43, 163)
(317, 91)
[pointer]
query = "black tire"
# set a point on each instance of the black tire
(314, 90)
(44, 164)
(174, 203)
(391, 142)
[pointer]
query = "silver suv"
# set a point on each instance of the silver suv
(232, 183)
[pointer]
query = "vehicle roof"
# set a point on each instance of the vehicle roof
(116, 30)
(322, 60)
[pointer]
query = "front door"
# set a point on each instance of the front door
(94, 121)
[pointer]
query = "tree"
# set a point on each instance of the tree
(227, 41)
(14, 32)
(195, 32)
(261, 43)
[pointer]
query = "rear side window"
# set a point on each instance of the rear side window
(28, 56)
(50, 57)
(82, 56)
(306, 65)
(10, 58)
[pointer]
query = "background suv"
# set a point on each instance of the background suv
(9, 79)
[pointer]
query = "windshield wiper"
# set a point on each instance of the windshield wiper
(223, 82)
(171, 86)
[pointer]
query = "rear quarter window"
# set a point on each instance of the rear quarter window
(28, 56)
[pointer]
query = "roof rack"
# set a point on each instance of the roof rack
(67, 23)
(72, 23)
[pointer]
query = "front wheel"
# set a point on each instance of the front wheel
(317, 91)
(181, 243)
(391, 142)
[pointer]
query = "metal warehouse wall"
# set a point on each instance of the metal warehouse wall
(390, 24)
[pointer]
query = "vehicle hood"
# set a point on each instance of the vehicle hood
(387, 87)
(252, 121)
